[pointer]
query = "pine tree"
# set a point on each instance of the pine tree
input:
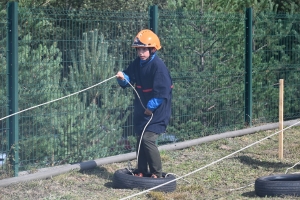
(93, 122)
(275, 57)
(39, 77)
(84, 126)
(3, 74)
(207, 68)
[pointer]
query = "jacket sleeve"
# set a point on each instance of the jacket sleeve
(154, 103)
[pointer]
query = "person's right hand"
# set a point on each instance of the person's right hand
(120, 75)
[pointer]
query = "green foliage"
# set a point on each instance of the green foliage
(230, 6)
(81, 127)
(205, 53)
(95, 124)
(205, 56)
(276, 44)
(290, 6)
(104, 5)
(3, 74)
(39, 74)
(62, 52)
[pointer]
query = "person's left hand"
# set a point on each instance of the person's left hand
(148, 112)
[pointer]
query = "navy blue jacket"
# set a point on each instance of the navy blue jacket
(152, 80)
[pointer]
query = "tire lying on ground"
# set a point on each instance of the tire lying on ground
(124, 179)
(278, 185)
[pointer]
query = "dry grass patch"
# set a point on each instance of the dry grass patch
(231, 178)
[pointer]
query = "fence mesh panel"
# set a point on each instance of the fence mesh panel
(275, 56)
(3, 98)
(207, 64)
(62, 52)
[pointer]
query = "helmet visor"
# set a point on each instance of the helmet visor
(138, 43)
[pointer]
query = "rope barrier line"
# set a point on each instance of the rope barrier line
(57, 99)
(199, 169)
(139, 147)
(211, 163)
(83, 91)
(286, 171)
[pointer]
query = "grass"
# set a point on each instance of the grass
(231, 178)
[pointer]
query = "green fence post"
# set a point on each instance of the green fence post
(248, 67)
(12, 85)
(153, 23)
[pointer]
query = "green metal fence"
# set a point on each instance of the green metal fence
(61, 52)
(74, 50)
(206, 61)
(275, 56)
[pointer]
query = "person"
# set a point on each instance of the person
(153, 84)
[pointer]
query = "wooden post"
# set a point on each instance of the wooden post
(281, 103)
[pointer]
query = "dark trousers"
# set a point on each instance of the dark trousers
(149, 154)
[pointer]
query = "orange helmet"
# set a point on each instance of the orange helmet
(146, 38)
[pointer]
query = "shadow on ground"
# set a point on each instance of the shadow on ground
(249, 194)
(98, 171)
(109, 185)
(254, 163)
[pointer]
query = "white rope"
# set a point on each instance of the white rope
(138, 151)
(136, 93)
(291, 167)
(78, 93)
(210, 163)
(56, 99)
(143, 133)
(254, 183)
(242, 187)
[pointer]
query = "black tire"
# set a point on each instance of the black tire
(124, 179)
(278, 185)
